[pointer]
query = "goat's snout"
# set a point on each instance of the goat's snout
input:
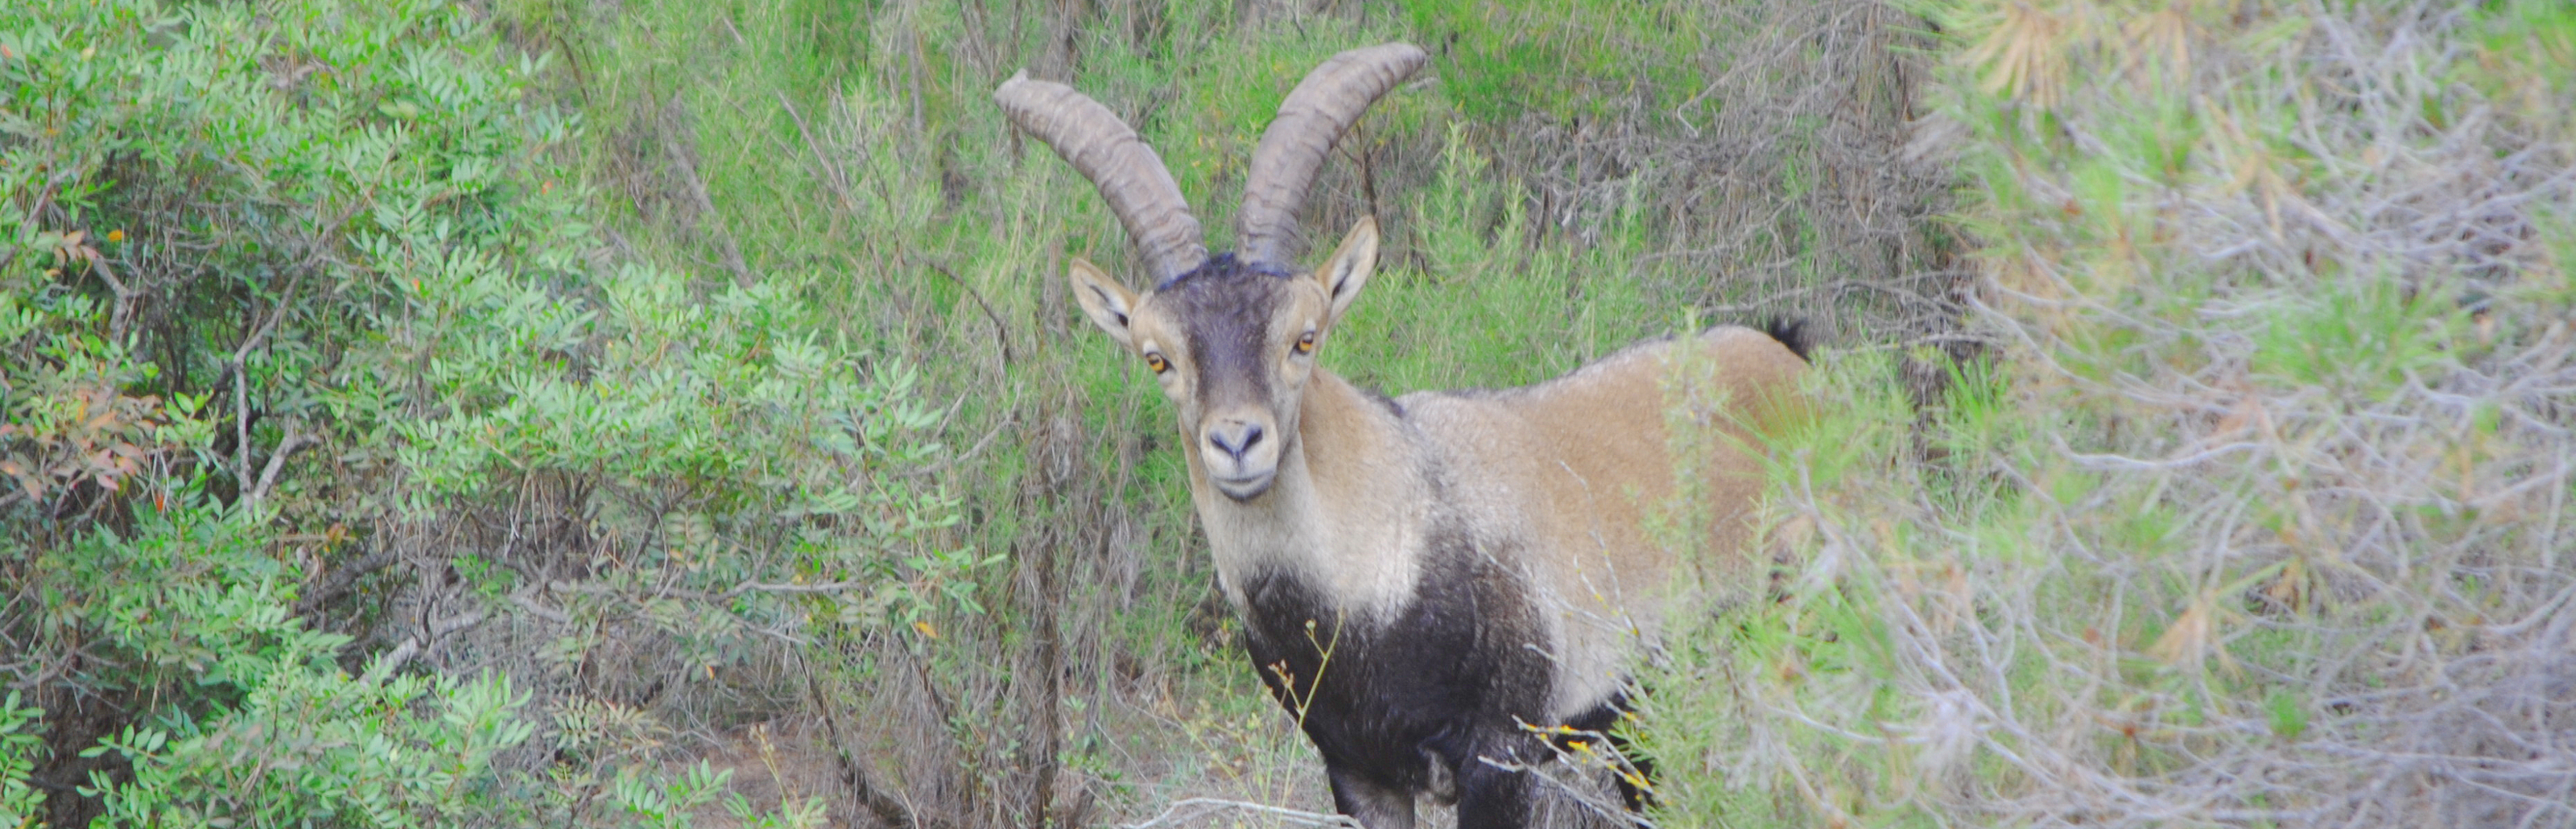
(1234, 438)
(1241, 456)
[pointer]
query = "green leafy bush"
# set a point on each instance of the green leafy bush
(19, 748)
(294, 296)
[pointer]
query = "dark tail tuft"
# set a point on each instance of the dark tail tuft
(1792, 333)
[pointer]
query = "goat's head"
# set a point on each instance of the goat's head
(1232, 339)
(1232, 344)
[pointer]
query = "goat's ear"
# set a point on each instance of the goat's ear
(1350, 266)
(1105, 301)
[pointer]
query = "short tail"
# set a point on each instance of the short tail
(1792, 333)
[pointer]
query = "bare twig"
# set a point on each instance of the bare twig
(296, 438)
(343, 579)
(237, 372)
(1201, 808)
(1001, 335)
(525, 602)
(832, 173)
(594, 588)
(889, 811)
(412, 645)
(681, 161)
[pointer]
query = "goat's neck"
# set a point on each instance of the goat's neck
(1346, 514)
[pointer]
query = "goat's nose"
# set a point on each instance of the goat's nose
(1235, 438)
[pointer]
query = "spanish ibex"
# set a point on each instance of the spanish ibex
(1432, 582)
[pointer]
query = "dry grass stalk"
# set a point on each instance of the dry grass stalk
(2293, 545)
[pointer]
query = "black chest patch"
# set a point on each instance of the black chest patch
(1448, 679)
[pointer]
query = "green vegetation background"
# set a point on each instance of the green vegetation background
(668, 413)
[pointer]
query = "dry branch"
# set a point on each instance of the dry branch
(682, 161)
(1201, 808)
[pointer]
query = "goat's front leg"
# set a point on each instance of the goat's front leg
(1374, 805)
(1491, 796)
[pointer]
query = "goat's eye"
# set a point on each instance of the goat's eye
(1306, 343)
(1157, 363)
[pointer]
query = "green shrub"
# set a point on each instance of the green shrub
(19, 748)
(295, 292)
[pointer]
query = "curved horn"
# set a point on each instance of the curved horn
(1130, 176)
(1313, 116)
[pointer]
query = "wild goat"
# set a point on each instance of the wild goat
(1431, 582)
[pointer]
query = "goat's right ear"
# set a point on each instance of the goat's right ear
(1105, 301)
(1350, 267)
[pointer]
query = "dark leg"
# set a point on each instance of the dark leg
(1602, 723)
(1374, 805)
(1491, 797)
(1637, 797)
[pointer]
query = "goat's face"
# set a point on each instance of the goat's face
(1233, 346)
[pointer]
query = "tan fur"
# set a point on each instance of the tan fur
(1561, 481)
(1580, 465)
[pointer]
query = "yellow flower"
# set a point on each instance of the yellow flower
(116, 236)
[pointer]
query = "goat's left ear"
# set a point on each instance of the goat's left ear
(1350, 266)
(1105, 301)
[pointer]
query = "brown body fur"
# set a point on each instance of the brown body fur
(1579, 469)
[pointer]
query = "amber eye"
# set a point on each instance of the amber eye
(1157, 363)
(1306, 344)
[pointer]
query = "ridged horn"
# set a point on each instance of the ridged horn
(1130, 176)
(1310, 120)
